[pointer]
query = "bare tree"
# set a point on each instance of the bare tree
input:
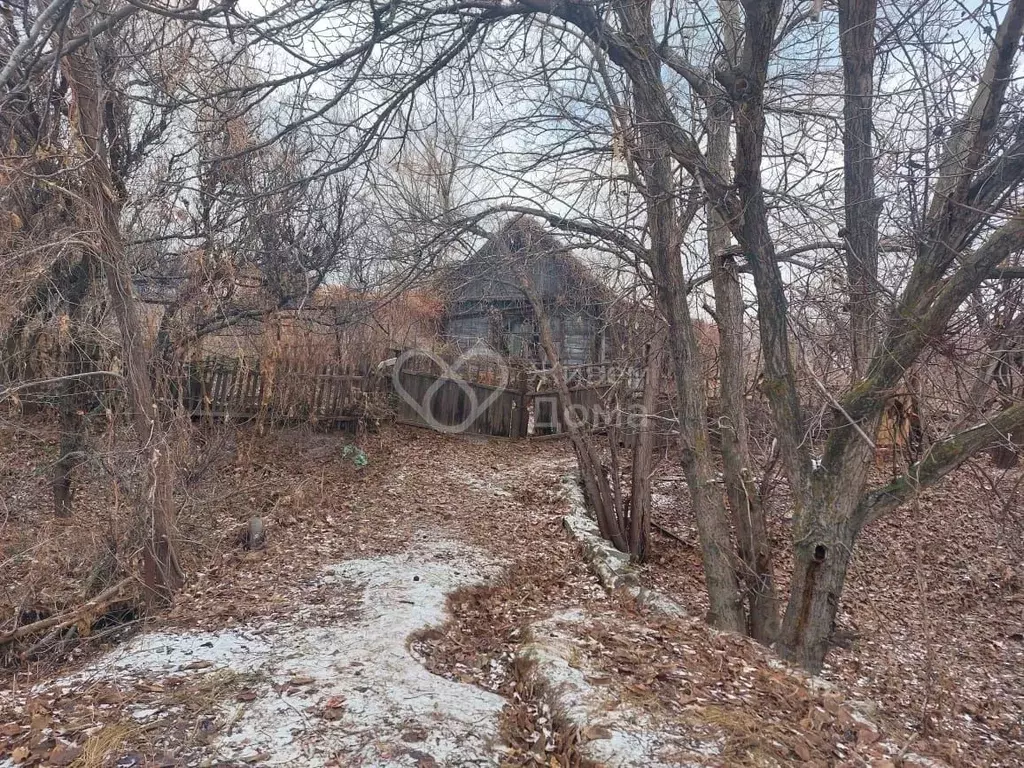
(99, 213)
(928, 185)
(625, 521)
(753, 545)
(967, 225)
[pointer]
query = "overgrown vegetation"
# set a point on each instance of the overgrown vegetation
(823, 198)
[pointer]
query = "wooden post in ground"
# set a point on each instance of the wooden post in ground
(521, 426)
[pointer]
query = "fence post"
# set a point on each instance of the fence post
(522, 425)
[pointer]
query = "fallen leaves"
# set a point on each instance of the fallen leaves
(21, 754)
(63, 754)
(502, 496)
(333, 708)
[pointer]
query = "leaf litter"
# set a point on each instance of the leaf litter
(883, 701)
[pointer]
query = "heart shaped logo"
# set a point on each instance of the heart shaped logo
(479, 353)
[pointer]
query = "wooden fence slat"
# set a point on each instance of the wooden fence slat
(285, 391)
(323, 392)
(289, 390)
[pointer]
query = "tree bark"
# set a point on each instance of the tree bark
(100, 216)
(746, 87)
(753, 545)
(825, 531)
(820, 561)
(71, 391)
(654, 160)
(857, 44)
(752, 542)
(639, 513)
(725, 609)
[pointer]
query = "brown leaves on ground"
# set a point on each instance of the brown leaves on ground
(931, 631)
(933, 611)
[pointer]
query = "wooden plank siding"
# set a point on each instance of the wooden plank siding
(508, 409)
(451, 405)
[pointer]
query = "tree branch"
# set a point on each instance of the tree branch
(942, 458)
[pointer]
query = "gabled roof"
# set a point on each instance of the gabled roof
(522, 247)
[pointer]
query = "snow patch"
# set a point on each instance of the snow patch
(615, 734)
(663, 501)
(483, 485)
(351, 692)
(612, 567)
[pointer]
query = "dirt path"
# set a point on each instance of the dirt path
(304, 692)
(297, 657)
(423, 610)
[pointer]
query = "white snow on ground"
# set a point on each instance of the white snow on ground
(384, 708)
(618, 735)
(488, 486)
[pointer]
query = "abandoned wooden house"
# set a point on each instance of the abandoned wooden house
(484, 299)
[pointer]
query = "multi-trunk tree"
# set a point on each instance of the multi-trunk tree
(97, 102)
(799, 131)
(971, 226)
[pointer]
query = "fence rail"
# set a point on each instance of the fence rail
(285, 391)
(481, 399)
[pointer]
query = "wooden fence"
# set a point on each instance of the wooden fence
(456, 405)
(480, 398)
(473, 401)
(476, 400)
(282, 392)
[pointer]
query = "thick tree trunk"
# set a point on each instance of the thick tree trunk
(857, 43)
(653, 160)
(753, 544)
(819, 572)
(823, 541)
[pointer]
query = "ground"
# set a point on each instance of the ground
(429, 608)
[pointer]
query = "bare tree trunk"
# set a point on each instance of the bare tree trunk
(639, 513)
(857, 43)
(100, 215)
(820, 561)
(71, 422)
(71, 395)
(161, 570)
(725, 609)
(752, 542)
(824, 535)
(599, 492)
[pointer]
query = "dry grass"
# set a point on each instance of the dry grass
(341, 327)
(107, 741)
